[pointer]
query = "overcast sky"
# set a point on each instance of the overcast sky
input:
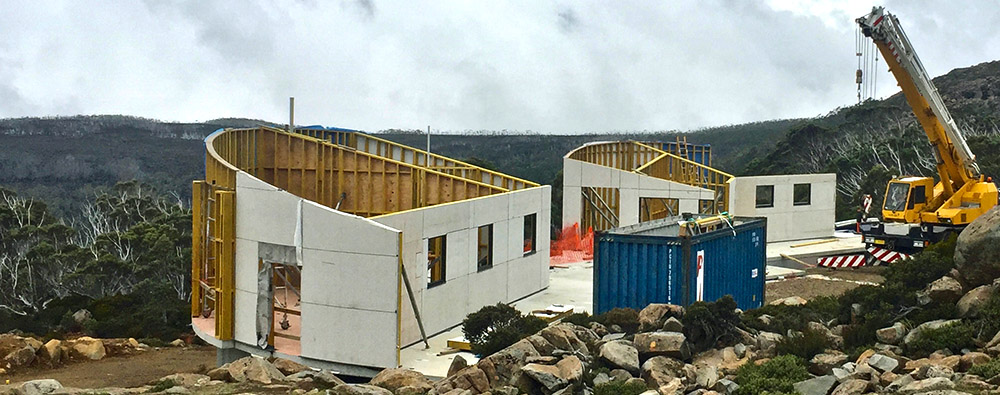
(548, 67)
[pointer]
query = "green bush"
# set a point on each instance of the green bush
(987, 324)
(954, 337)
(581, 319)
(496, 327)
(620, 388)
(804, 346)
(772, 377)
(627, 319)
(986, 370)
(711, 324)
(161, 386)
(785, 318)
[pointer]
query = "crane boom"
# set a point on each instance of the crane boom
(956, 162)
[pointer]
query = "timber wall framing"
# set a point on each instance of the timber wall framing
(360, 210)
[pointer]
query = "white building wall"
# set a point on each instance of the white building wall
(350, 272)
(786, 221)
(514, 275)
(632, 186)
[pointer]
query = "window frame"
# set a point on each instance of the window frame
(534, 234)
(757, 196)
(808, 200)
(480, 266)
(443, 255)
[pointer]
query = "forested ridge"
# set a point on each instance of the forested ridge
(94, 210)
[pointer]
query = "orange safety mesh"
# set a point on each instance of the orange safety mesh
(569, 246)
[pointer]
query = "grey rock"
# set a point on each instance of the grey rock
(672, 324)
(892, 334)
(913, 334)
(652, 316)
(620, 375)
(883, 363)
(358, 389)
(740, 349)
(546, 375)
(899, 383)
(622, 354)
(942, 290)
(973, 301)
(82, 315)
(39, 387)
(852, 387)
(457, 363)
(816, 386)
(977, 251)
(177, 390)
(931, 384)
(823, 364)
(707, 376)
(612, 337)
(726, 386)
(661, 370)
(767, 342)
(671, 344)
(601, 378)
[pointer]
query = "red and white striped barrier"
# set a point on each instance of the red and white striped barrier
(887, 256)
(842, 261)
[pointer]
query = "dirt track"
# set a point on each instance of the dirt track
(840, 281)
(124, 371)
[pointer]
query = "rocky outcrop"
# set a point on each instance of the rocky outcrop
(977, 252)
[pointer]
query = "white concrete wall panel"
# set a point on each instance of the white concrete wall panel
(488, 287)
(349, 335)
(786, 221)
(245, 267)
(572, 170)
(244, 319)
(524, 277)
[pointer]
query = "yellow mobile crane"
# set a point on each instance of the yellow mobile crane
(916, 210)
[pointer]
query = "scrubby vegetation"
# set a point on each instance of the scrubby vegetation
(805, 344)
(620, 388)
(126, 259)
(986, 370)
(772, 377)
(496, 327)
(712, 324)
(953, 337)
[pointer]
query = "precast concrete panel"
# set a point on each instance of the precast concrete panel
(459, 260)
(244, 321)
(360, 337)
(572, 172)
(488, 210)
(488, 287)
(350, 280)
(523, 277)
(445, 305)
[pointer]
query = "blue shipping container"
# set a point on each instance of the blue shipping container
(649, 263)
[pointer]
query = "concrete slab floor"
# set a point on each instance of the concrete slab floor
(843, 243)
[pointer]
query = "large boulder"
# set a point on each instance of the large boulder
(502, 367)
(254, 369)
(394, 379)
(546, 375)
(564, 337)
(86, 348)
(287, 367)
(915, 333)
(789, 301)
(931, 384)
(977, 252)
(892, 334)
(942, 290)
(20, 357)
(358, 389)
(816, 386)
(671, 344)
(653, 316)
(883, 363)
(974, 300)
(823, 364)
(51, 351)
(622, 354)
(458, 363)
(471, 378)
(661, 370)
(39, 387)
(852, 387)
(767, 342)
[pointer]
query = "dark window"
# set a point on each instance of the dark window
(485, 247)
(895, 198)
(802, 194)
(436, 247)
(917, 195)
(529, 234)
(765, 196)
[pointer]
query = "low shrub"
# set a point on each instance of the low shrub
(987, 324)
(776, 376)
(627, 319)
(785, 318)
(161, 386)
(712, 324)
(496, 327)
(954, 337)
(581, 319)
(620, 388)
(805, 346)
(986, 370)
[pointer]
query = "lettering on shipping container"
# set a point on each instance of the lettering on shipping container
(701, 275)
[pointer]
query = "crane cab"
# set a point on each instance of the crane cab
(906, 198)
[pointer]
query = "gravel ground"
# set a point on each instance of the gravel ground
(838, 282)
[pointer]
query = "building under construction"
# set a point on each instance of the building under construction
(336, 248)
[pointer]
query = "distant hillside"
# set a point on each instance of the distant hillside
(65, 159)
(868, 143)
